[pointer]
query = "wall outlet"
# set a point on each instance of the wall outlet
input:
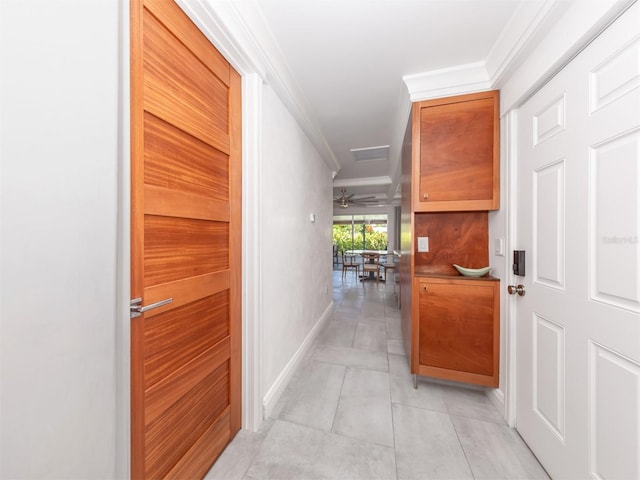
(423, 244)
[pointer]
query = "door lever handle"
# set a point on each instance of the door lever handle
(137, 309)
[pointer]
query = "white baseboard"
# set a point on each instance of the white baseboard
(497, 398)
(277, 389)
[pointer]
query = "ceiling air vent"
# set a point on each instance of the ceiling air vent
(371, 154)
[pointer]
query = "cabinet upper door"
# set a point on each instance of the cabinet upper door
(456, 156)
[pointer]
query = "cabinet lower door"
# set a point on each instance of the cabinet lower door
(459, 330)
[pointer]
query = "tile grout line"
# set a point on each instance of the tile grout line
(335, 412)
(393, 424)
(464, 452)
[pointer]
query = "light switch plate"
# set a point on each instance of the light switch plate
(423, 244)
(499, 247)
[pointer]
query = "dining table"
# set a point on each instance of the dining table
(382, 253)
(360, 252)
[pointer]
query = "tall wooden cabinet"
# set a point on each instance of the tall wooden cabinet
(451, 323)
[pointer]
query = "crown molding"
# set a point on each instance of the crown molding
(508, 51)
(222, 26)
(362, 182)
(468, 78)
(395, 155)
(515, 39)
(241, 34)
(569, 28)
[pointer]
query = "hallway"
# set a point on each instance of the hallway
(351, 412)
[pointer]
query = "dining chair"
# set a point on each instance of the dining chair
(349, 261)
(388, 266)
(370, 264)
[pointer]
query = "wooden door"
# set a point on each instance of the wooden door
(185, 245)
(578, 218)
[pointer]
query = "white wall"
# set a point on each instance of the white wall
(59, 140)
(296, 254)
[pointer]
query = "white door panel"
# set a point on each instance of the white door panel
(614, 221)
(549, 224)
(578, 219)
(614, 417)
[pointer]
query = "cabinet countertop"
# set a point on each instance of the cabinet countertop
(425, 273)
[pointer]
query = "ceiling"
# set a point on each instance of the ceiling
(349, 69)
(348, 58)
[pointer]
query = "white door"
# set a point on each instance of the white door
(578, 219)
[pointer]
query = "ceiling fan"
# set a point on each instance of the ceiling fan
(344, 200)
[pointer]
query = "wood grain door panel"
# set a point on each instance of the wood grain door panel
(186, 158)
(198, 399)
(180, 335)
(178, 248)
(456, 153)
(183, 89)
(456, 328)
(456, 141)
(177, 161)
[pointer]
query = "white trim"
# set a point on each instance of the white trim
(221, 24)
(252, 300)
(460, 79)
(526, 22)
(277, 388)
(123, 262)
(362, 182)
(395, 154)
(222, 27)
(496, 396)
(578, 25)
(518, 35)
(510, 410)
(545, 34)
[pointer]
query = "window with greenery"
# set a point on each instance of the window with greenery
(360, 232)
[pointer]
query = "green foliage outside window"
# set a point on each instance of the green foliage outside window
(342, 237)
(373, 240)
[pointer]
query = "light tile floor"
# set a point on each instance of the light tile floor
(351, 412)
